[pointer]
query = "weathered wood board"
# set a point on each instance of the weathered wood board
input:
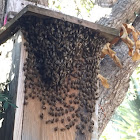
(10, 28)
(20, 95)
(36, 129)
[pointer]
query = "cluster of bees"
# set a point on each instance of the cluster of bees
(61, 71)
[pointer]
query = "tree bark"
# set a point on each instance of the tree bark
(118, 78)
(105, 3)
(2, 8)
(122, 12)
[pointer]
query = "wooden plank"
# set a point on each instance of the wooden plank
(8, 124)
(95, 119)
(20, 94)
(10, 28)
(35, 129)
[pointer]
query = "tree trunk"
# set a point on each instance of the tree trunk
(118, 78)
(123, 12)
(105, 3)
(2, 8)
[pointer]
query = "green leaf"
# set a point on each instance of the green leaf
(58, 7)
(5, 105)
(13, 105)
(1, 99)
(53, 2)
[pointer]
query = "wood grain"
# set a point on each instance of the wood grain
(35, 129)
(20, 93)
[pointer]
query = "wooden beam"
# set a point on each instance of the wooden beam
(20, 94)
(11, 27)
(110, 32)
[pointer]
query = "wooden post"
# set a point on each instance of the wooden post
(20, 96)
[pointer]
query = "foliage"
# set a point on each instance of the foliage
(126, 120)
(86, 5)
(4, 98)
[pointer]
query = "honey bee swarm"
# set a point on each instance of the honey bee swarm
(61, 70)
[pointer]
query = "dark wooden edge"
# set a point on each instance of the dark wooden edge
(8, 123)
(8, 30)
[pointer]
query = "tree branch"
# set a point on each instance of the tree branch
(118, 78)
(122, 12)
